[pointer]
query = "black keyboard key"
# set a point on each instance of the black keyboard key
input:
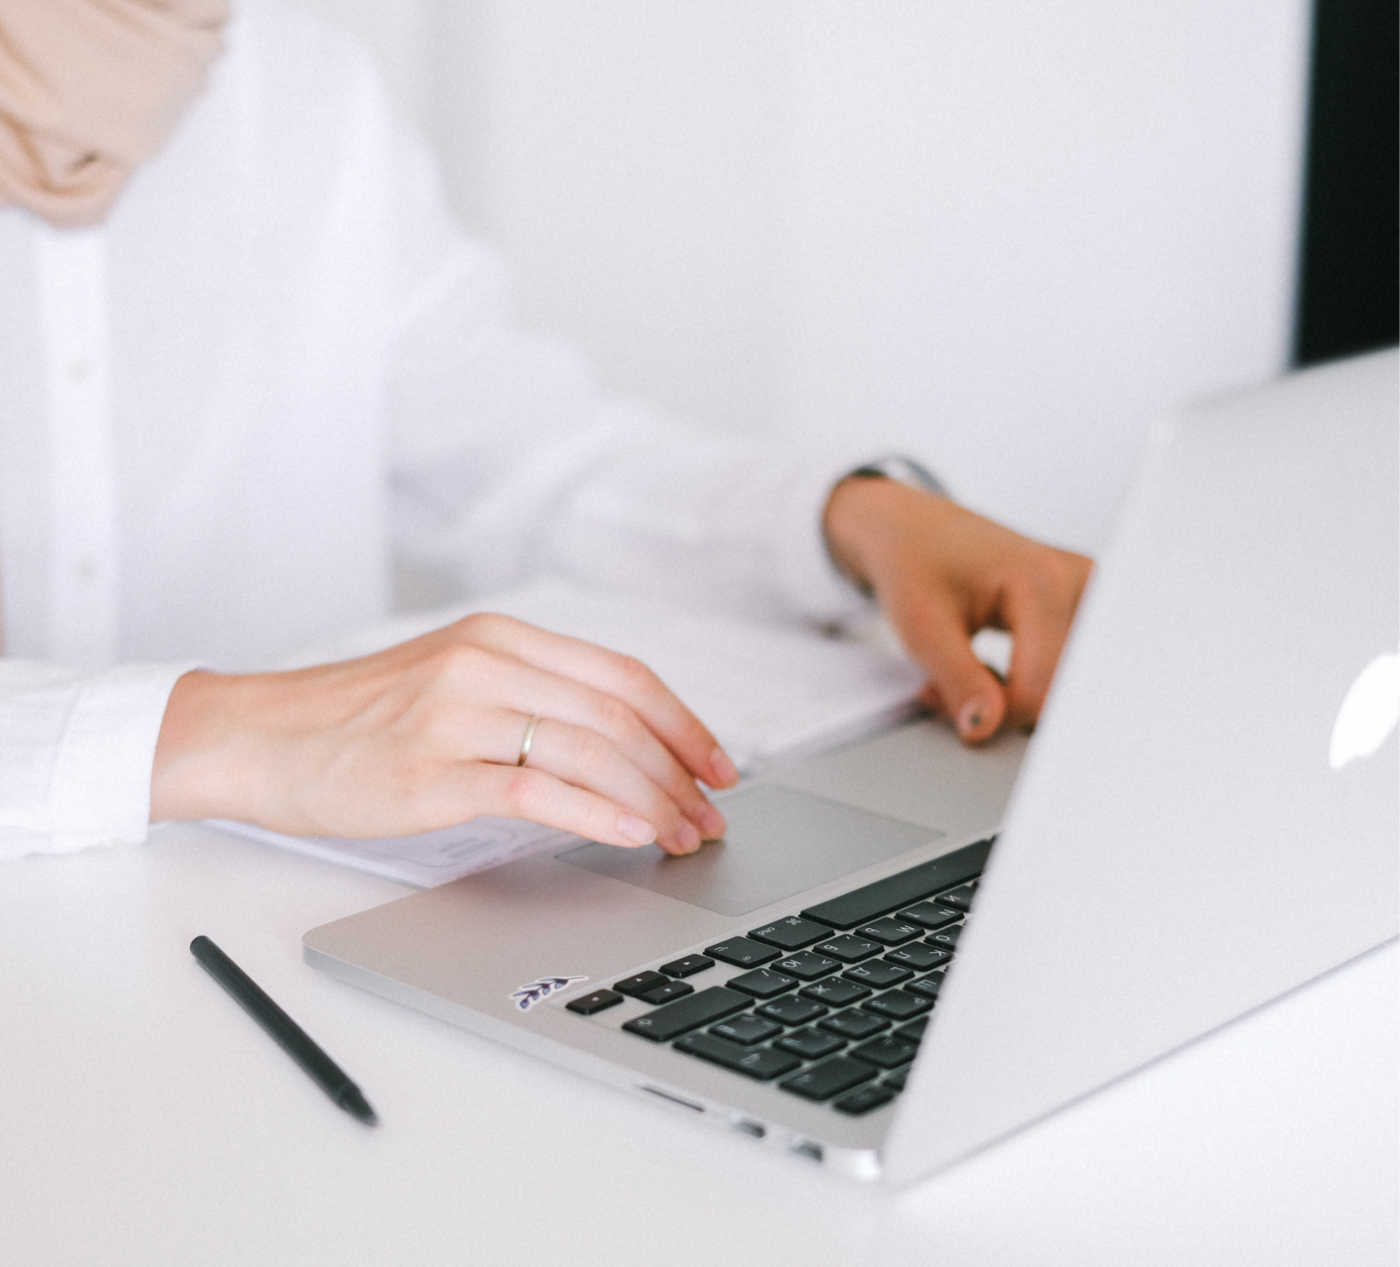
(666, 992)
(742, 952)
(896, 1080)
(930, 915)
(807, 965)
(898, 1004)
(959, 897)
(914, 1031)
(703, 1008)
(854, 1024)
(829, 1078)
(642, 981)
(903, 888)
(762, 1063)
(792, 933)
(688, 966)
(886, 1053)
(811, 1044)
(762, 983)
(598, 1001)
(945, 938)
(849, 949)
(747, 1029)
(920, 956)
(791, 1010)
(889, 931)
(928, 986)
(835, 993)
(878, 973)
(864, 1100)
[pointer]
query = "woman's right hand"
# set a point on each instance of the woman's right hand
(427, 734)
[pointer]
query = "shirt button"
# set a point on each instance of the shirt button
(87, 568)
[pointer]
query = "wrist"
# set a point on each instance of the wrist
(866, 520)
(203, 755)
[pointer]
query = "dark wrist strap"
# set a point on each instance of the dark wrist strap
(903, 471)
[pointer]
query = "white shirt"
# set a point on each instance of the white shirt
(277, 373)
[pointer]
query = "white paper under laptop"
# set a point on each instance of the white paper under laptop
(1184, 843)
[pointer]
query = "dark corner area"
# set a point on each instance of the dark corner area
(1349, 276)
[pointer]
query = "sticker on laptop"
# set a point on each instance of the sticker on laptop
(540, 989)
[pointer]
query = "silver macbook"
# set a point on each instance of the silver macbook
(884, 965)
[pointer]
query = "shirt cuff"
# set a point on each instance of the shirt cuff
(100, 793)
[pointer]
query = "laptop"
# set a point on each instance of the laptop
(903, 951)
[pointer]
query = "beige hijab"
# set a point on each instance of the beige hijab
(91, 88)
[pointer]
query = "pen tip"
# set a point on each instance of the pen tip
(354, 1103)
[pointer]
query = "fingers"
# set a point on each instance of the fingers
(943, 572)
(586, 759)
(965, 690)
(1033, 658)
(590, 761)
(1039, 612)
(960, 684)
(606, 746)
(618, 697)
(540, 797)
(619, 676)
(593, 715)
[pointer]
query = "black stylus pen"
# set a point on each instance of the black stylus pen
(329, 1076)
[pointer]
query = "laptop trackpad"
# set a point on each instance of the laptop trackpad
(780, 842)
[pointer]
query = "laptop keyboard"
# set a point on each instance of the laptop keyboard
(832, 1002)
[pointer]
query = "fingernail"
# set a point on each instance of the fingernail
(687, 837)
(723, 768)
(637, 830)
(970, 719)
(712, 823)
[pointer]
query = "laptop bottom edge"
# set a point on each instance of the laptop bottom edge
(860, 1164)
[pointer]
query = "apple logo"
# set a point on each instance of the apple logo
(1369, 712)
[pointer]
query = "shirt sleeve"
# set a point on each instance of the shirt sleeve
(76, 750)
(509, 462)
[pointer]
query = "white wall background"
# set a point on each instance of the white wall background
(1001, 236)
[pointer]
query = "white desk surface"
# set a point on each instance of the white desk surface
(147, 1120)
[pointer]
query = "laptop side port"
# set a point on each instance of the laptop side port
(674, 1099)
(749, 1127)
(805, 1148)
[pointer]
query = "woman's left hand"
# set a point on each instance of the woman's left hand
(430, 733)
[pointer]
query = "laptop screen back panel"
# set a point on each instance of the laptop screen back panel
(1179, 849)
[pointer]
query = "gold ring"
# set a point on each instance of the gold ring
(528, 740)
